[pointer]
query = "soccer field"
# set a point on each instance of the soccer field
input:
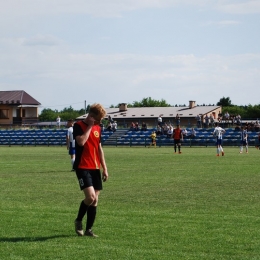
(155, 205)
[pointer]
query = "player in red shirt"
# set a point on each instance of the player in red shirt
(88, 163)
(177, 137)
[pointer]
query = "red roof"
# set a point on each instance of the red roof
(17, 97)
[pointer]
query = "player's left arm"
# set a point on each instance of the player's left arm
(103, 163)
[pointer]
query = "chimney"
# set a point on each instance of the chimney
(192, 104)
(122, 107)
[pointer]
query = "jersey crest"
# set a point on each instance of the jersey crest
(96, 134)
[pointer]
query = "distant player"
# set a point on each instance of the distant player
(153, 139)
(70, 141)
(243, 139)
(218, 133)
(58, 122)
(177, 137)
(258, 146)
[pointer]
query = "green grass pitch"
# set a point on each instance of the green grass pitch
(155, 205)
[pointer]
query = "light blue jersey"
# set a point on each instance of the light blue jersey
(70, 137)
(218, 132)
(243, 135)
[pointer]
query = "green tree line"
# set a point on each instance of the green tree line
(67, 113)
(249, 111)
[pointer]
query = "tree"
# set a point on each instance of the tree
(149, 102)
(235, 110)
(253, 111)
(48, 115)
(67, 113)
(225, 102)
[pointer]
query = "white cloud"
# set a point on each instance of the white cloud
(93, 7)
(126, 76)
(117, 7)
(39, 39)
(223, 23)
(45, 46)
(228, 22)
(244, 7)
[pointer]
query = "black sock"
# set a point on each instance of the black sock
(91, 216)
(82, 211)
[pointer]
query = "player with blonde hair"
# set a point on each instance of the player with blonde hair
(88, 163)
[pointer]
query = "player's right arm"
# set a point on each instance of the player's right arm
(81, 139)
(173, 133)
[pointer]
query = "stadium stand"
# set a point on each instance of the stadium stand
(122, 137)
(32, 137)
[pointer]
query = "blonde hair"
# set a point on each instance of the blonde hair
(97, 111)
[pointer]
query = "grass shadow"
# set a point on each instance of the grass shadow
(30, 239)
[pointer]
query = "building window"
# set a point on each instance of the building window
(4, 113)
(18, 111)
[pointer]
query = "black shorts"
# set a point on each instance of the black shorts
(88, 178)
(177, 141)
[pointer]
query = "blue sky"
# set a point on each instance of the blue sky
(64, 52)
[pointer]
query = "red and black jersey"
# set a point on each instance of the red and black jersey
(87, 156)
(177, 133)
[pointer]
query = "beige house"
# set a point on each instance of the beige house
(18, 108)
(126, 115)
